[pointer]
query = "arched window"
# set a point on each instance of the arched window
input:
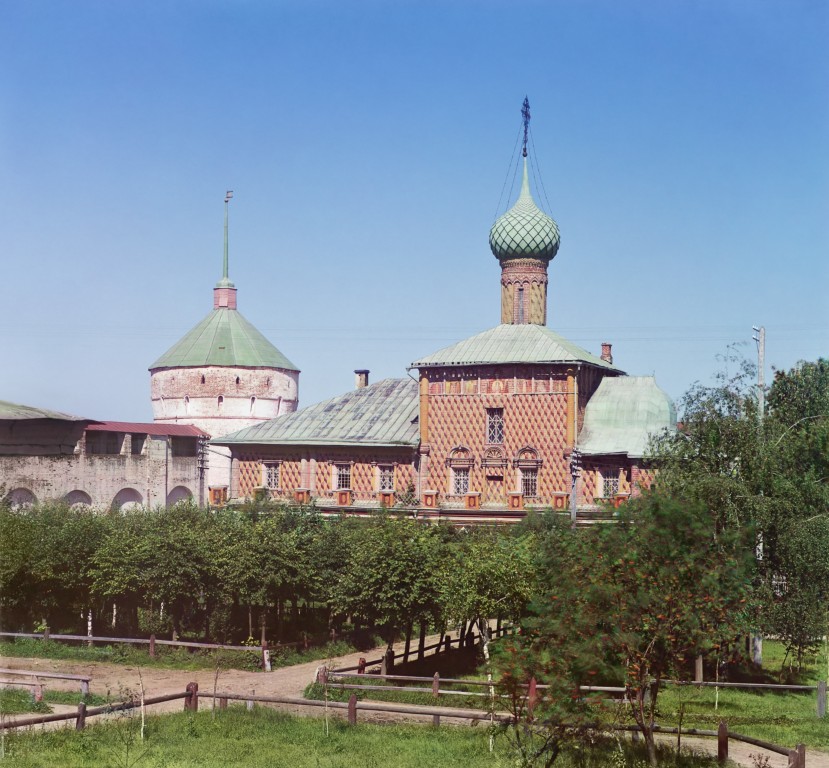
(21, 497)
(252, 405)
(127, 499)
(186, 404)
(238, 380)
(202, 378)
(220, 402)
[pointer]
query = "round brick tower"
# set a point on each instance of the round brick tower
(222, 376)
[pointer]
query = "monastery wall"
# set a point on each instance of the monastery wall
(151, 478)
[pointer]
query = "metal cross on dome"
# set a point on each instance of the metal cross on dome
(525, 116)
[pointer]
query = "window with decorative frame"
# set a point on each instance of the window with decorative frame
(270, 475)
(385, 477)
(495, 426)
(529, 482)
(460, 461)
(460, 480)
(342, 477)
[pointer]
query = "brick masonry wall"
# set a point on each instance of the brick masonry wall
(314, 470)
(534, 400)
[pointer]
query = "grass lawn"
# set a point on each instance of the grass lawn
(168, 657)
(265, 738)
(19, 701)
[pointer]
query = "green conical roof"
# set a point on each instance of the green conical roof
(224, 338)
(524, 231)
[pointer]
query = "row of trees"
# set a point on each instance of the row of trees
(224, 574)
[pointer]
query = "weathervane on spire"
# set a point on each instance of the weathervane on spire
(525, 116)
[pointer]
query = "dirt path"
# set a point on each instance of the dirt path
(117, 681)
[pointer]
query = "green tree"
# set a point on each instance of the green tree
(391, 578)
(644, 596)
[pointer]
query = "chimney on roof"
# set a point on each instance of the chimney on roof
(607, 355)
(361, 378)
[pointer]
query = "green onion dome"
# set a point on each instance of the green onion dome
(524, 231)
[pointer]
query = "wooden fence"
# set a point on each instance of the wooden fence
(191, 696)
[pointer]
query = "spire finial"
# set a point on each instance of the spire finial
(525, 116)
(225, 278)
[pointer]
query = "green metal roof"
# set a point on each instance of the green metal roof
(508, 343)
(382, 414)
(524, 231)
(15, 412)
(622, 416)
(224, 338)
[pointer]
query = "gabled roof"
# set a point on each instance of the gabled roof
(224, 338)
(382, 414)
(623, 414)
(526, 343)
(148, 428)
(14, 412)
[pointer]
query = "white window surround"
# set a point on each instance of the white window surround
(460, 481)
(341, 477)
(529, 482)
(385, 477)
(610, 482)
(270, 474)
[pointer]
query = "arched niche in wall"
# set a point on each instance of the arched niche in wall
(127, 499)
(179, 494)
(78, 499)
(20, 497)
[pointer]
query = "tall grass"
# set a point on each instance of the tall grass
(265, 738)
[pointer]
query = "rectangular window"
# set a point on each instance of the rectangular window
(183, 447)
(138, 444)
(386, 478)
(460, 481)
(495, 425)
(342, 476)
(270, 475)
(529, 482)
(104, 443)
(610, 483)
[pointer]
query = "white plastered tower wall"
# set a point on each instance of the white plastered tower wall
(222, 376)
(221, 400)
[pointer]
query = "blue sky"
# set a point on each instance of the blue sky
(683, 147)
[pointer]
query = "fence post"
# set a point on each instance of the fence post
(801, 755)
(448, 642)
(249, 702)
(436, 685)
(436, 720)
(794, 759)
(532, 697)
(698, 669)
(37, 691)
(352, 709)
(266, 658)
(46, 632)
(322, 675)
(722, 742)
(80, 723)
(191, 703)
(84, 687)
(152, 646)
(821, 698)
(361, 665)
(222, 703)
